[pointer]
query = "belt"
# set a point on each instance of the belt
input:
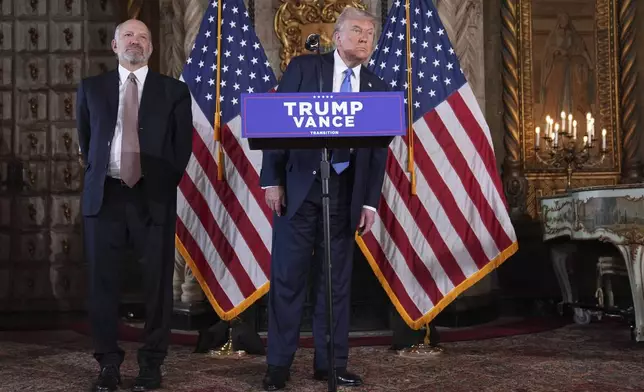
(118, 181)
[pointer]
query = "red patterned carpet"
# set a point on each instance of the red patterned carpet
(598, 357)
(498, 328)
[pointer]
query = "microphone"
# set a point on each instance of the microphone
(312, 42)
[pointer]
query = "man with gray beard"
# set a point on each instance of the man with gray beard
(135, 136)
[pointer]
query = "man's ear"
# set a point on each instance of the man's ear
(114, 47)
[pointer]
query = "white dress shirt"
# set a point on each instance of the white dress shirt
(338, 77)
(114, 168)
(338, 74)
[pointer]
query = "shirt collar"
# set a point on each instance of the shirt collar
(340, 66)
(140, 74)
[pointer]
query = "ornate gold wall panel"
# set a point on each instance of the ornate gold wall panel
(581, 48)
(296, 19)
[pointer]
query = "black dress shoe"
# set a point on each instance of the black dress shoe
(108, 379)
(149, 378)
(275, 378)
(344, 378)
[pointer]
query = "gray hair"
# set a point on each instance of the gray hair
(118, 29)
(351, 13)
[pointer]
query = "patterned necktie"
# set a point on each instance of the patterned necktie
(130, 150)
(340, 157)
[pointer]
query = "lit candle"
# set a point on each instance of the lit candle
(592, 130)
(536, 131)
(556, 134)
(563, 121)
(570, 123)
(588, 118)
(585, 140)
(548, 119)
(604, 139)
(574, 129)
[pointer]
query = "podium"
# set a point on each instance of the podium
(323, 121)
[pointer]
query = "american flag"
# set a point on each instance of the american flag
(224, 228)
(428, 248)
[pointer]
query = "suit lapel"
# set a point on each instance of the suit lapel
(112, 89)
(151, 89)
(327, 72)
(365, 80)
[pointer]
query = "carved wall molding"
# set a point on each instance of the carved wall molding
(185, 27)
(48, 47)
(514, 183)
(134, 8)
(174, 33)
(463, 21)
(628, 84)
(194, 10)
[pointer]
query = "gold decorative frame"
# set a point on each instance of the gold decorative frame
(296, 19)
(525, 179)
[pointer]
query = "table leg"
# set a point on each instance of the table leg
(559, 254)
(634, 260)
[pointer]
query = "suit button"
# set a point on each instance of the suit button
(314, 172)
(109, 143)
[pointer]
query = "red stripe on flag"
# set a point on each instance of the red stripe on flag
(444, 195)
(202, 266)
(415, 263)
(477, 136)
(424, 222)
(226, 252)
(230, 201)
(469, 181)
(390, 276)
(245, 169)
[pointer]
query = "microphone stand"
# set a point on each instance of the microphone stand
(313, 42)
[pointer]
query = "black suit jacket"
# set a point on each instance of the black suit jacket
(165, 137)
(296, 169)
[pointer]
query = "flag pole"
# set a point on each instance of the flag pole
(218, 133)
(410, 127)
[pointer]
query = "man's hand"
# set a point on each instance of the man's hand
(275, 199)
(367, 218)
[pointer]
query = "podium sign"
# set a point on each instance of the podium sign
(322, 121)
(323, 115)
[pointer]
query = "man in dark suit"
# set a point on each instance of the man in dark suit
(293, 191)
(135, 136)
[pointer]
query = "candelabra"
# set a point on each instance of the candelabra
(564, 148)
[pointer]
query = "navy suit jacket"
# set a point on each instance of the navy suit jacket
(296, 169)
(165, 137)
